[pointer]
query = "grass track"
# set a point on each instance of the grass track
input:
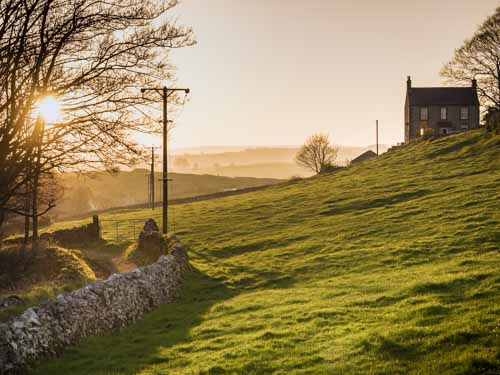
(390, 266)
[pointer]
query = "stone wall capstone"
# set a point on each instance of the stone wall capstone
(97, 308)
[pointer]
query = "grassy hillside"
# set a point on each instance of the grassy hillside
(390, 266)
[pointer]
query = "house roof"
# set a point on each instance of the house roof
(365, 155)
(426, 96)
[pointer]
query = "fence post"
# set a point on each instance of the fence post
(97, 226)
(116, 229)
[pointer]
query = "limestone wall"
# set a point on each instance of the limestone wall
(97, 308)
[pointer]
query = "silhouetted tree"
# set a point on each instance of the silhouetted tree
(479, 58)
(94, 56)
(317, 154)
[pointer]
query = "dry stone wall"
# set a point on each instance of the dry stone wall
(97, 308)
(77, 235)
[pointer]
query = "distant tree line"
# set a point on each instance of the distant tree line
(93, 56)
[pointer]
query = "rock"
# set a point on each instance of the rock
(19, 324)
(181, 256)
(151, 226)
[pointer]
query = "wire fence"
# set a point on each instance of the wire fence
(125, 229)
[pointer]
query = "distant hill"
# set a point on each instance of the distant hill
(262, 162)
(102, 190)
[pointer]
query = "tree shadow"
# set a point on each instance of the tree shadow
(456, 146)
(263, 245)
(388, 200)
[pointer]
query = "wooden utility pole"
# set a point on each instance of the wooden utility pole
(376, 135)
(152, 179)
(165, 93)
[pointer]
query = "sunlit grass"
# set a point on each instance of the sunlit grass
(390, 266)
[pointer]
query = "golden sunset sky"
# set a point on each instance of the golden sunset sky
(272, 72)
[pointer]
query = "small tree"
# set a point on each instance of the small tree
(317, 154)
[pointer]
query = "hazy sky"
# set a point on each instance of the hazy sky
(272, 72)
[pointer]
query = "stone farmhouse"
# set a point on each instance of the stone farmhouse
(435, 111)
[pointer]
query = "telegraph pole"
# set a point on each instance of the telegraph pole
(152, 179)
(376, 134)
(165, 93)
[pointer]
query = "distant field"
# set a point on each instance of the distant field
(390, 266)
(103, 191)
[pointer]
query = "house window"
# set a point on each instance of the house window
(464, 113)
(464, 126)
(424, 113)
(444, 113)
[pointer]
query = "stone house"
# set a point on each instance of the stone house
(434, 111)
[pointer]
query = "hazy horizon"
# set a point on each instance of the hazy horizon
(244, 146)
(266, 73)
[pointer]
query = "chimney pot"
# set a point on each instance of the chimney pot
(474, 83)
(408, 82)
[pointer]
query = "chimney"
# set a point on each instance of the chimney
(408, 83)
(474, 84)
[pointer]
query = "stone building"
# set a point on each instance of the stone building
(434, 111)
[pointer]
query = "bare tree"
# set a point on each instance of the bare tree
(479, 58)
(94, 56)
(317, 154)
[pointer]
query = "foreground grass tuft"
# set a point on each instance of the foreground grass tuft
(389, 266)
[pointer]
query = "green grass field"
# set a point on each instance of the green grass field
(390, 266)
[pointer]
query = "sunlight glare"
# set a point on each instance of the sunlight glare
(50, 109)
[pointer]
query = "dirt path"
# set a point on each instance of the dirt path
(108, 259)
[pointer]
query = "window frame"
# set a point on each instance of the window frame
(445, 109)
(426, 113)
(466, 118)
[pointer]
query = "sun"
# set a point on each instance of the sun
(49, 109)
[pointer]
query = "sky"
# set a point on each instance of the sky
(273, 72)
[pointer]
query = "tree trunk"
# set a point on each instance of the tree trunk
(498, 83)
(36, 178)
(2, 217)
(27, 205)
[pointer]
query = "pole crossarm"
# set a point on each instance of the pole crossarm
(170, 91)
